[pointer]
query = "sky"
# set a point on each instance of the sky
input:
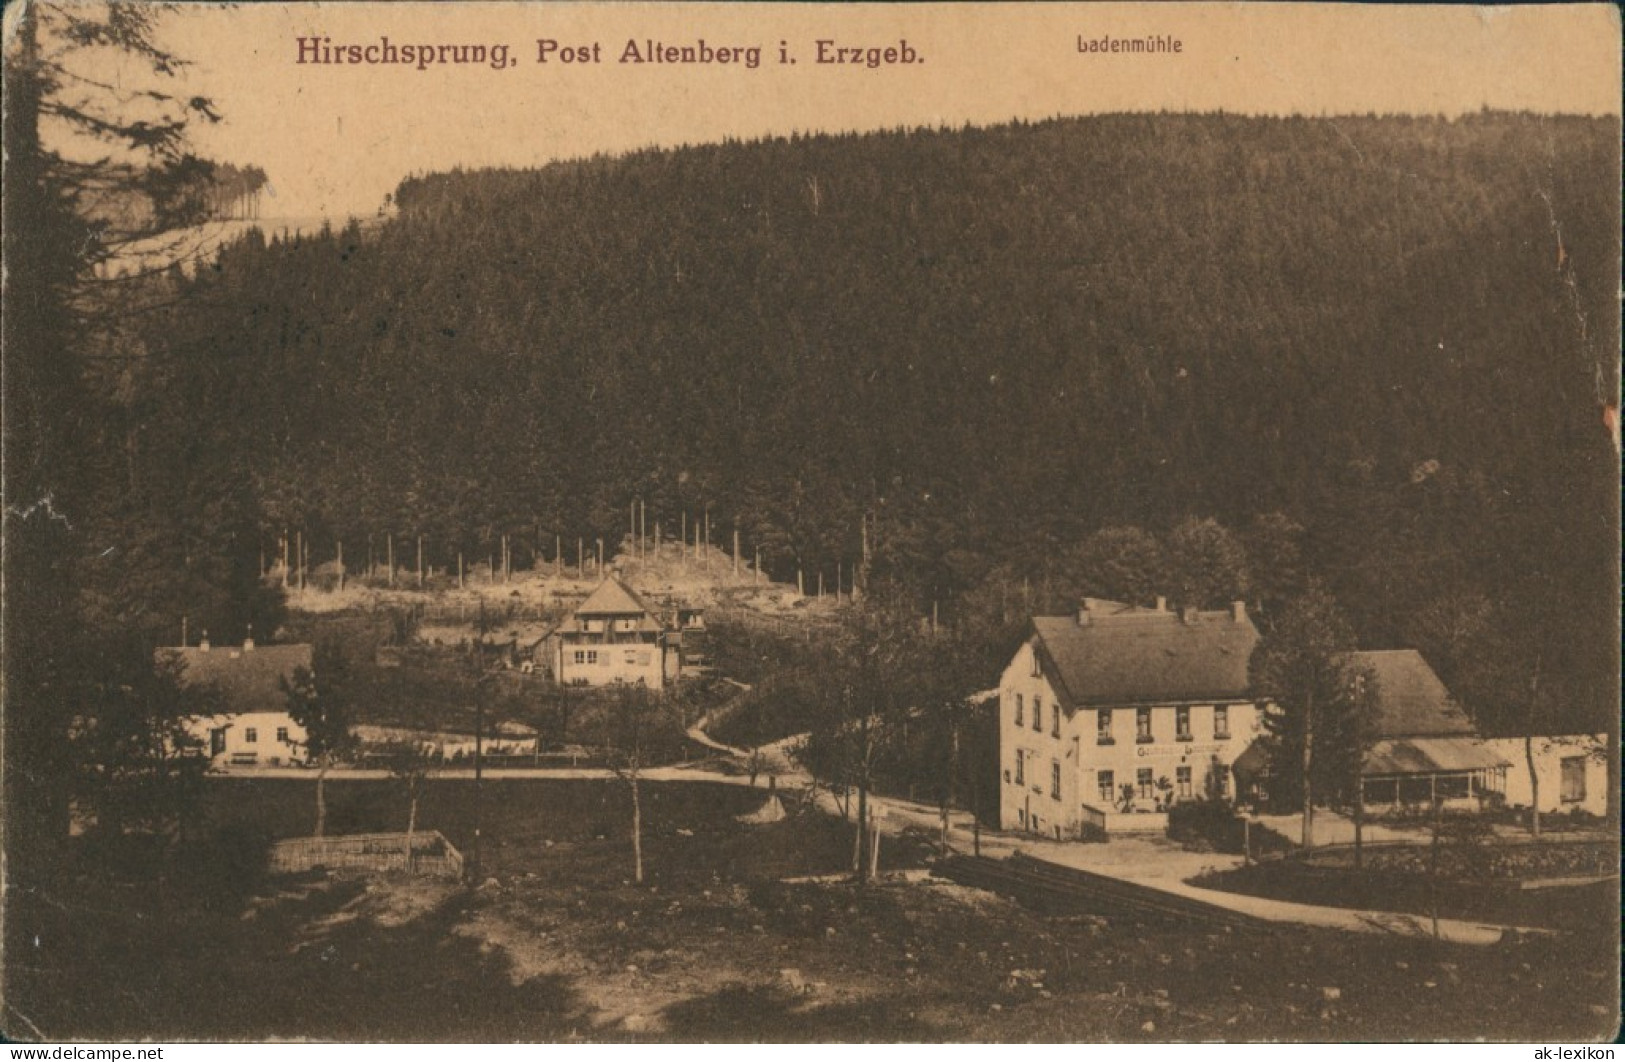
(335, 139)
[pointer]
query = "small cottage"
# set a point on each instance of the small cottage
(253, 728)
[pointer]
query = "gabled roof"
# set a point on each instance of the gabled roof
(249, 680)
(1134, 656)
(1411, 700)
(612, 598)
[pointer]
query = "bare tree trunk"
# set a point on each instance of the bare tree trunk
(1308, 839)
(637, 832)
(863, 829)
(321, 797)
(857, 837)
(1433, 868)
(1534, 784)
(411, 829)
(1529, 748)
(1359, 820)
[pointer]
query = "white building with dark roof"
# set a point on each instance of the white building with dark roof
(1116, 712)
(613, 637)
(253, 727)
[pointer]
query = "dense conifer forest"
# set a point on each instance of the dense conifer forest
(1393, 340)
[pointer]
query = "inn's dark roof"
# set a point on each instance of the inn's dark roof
(248, 680)
(1132, 656)
(1411, 700)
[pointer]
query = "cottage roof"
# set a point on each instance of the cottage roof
(1430, 755)
(248, 679)
(611, 598)
(1411, 701)
(1115, 655)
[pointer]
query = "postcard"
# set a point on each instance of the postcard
(810, 522)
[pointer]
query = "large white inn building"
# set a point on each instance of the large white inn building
(1120, 710)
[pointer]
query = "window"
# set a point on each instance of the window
(592, 656)
(1108, 788)
(1018, 709)
(1055, 779)
(1223, 775)
(1038, 712)
(1142, 725)
(1182, 723)
(1038, 669)
(1055, 722)
(1572, 789)
(251, 735)
(1451, 786)
(632, 656)
(1381, 791)
(1182, 782)
(282, 734)
(1103, 727)
(1143, 781)
(1021, 768)
(1221, 721)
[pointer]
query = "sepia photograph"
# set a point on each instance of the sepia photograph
(651, 523)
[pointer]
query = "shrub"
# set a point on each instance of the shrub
(1212, 821)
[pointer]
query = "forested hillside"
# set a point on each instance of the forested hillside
(1397, 333)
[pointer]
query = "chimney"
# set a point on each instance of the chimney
(1238, 611)
(1188, 614)
(1162, 603)
(248, 642)
(203, 645)
(1083, 613)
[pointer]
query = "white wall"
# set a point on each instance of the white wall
(1550, 752)
(1032, 799)
(630, 663)
(267, 748)
(1082, 757)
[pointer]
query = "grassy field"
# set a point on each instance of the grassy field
(528, 825)
(715, 946)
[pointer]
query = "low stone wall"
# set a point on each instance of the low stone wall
(1110, 822)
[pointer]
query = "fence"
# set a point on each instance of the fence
(432, 854)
